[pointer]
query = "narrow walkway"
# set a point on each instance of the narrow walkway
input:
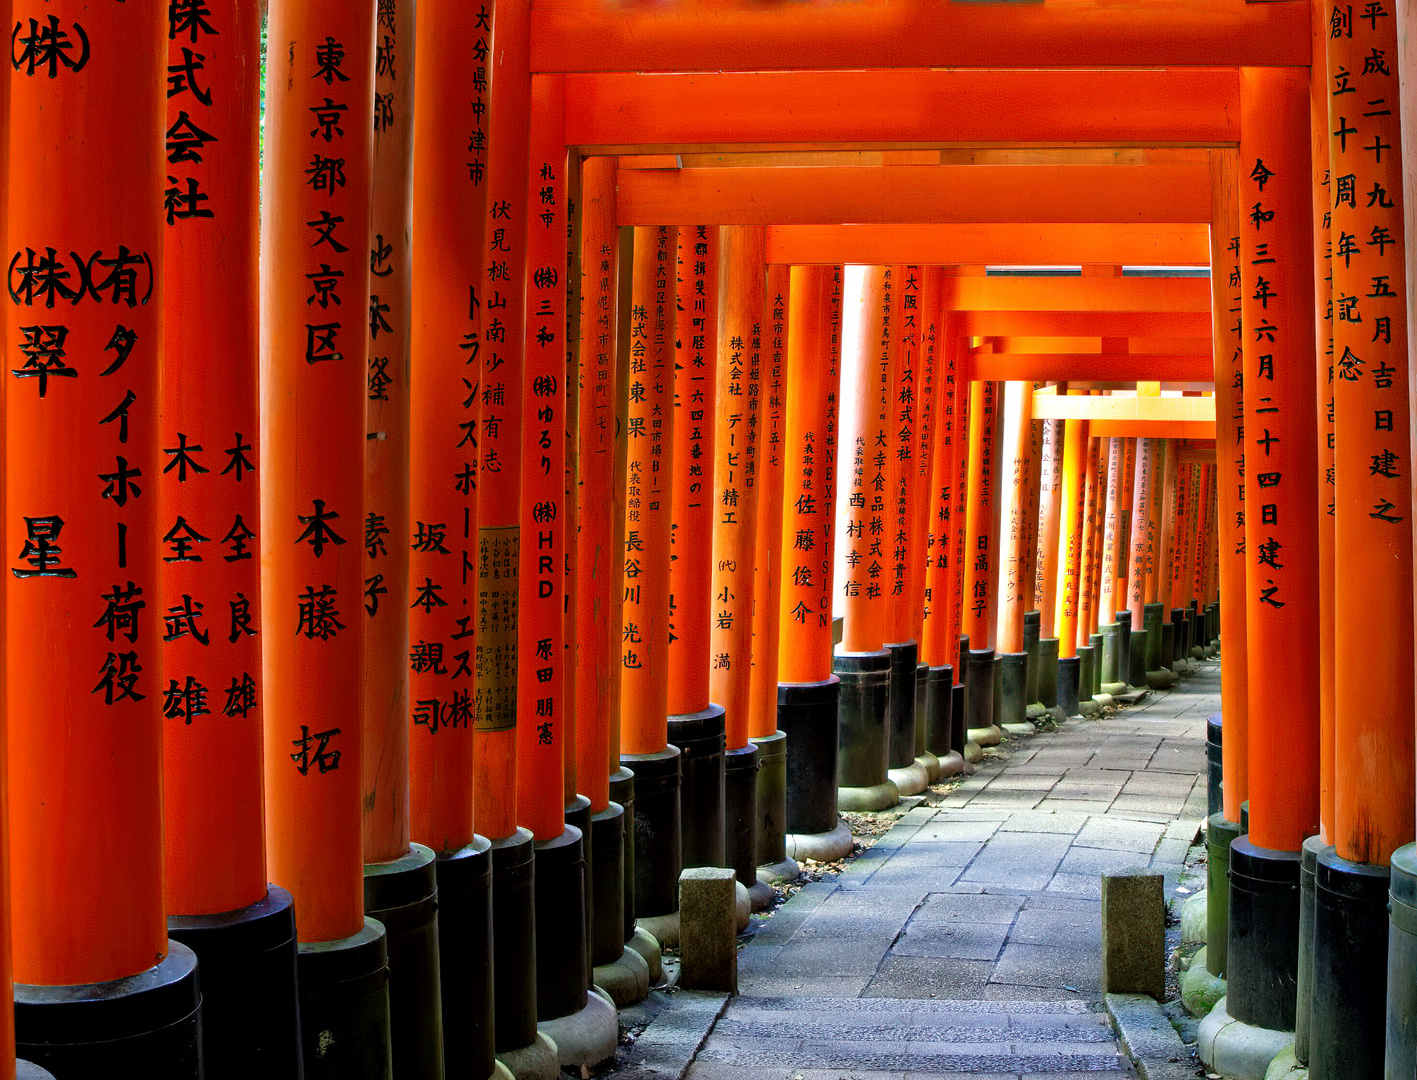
(967, 940)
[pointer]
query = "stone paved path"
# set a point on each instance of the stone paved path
(967, 940)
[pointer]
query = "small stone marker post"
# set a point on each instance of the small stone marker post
(708, 931)
(1133, 933)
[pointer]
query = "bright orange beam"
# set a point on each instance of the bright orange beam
(914, 194)
(590, 35)
(1115, 367)
(683, 110)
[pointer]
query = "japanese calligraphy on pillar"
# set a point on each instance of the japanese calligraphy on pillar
(695, 370)
(208, 491)
(940, 619)
(541, 638)
(82, 527)
(905, 417)
(809, 495)
(980, 564)
(445, 411)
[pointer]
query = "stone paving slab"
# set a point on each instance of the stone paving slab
(968, 938)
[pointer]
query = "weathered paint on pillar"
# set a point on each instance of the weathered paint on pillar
(598, 568)
(981, 562)
(502, 548)
(864, 523)
(445, 416)
(213, 820)
(767, 577)
(1228, 337)
(735, 475)
(691, 535)
(1045, 571)
(314, 368)
(1373, 791)
(541, 644)
(386, 455)
(644, 634)
(82, 531)
(1014, 593)
(1281, 455)
(809, 496)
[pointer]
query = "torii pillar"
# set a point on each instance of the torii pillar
(1276, 269)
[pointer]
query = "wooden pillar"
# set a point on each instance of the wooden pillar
(865, 625)
(1045, 576)
(1373, 791)
(314, 349)
(767, 559)
(735, 466)
(1073, 495)
(386, 456)
(980, 568)
(931, 401)
(1228, 337)
(902, 432)
(82, 531)
(599, 570)
(1087, 594)
(695, 422)
(939, 640)
(213, 824)
(809, 497)
(1282, 488)
(1014, 595)
(500, 555)
(645, 636)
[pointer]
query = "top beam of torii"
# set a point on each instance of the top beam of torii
(741, 35)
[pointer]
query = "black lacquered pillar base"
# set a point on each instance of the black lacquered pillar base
(1152, 617)
(807, 716)
(1214, 764)
(1124, 646)
(344, 1006)
(1069, 671)
(1348, 1016)
(1048, 672)
(561, 972)
(1263, 959)
(403, 896)
(1031, 623)
(741, 813)
(658, 856)
(1179, 648)
(146, 1025)
(701, 741)
(1111, 653)
(250, 1011)
(1012, 706)
(465, 952)
(979, 694)
(862, 736)
(514, 940)
(908, 777)
(1401, 1036)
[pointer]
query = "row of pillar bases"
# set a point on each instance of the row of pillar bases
(573, 910)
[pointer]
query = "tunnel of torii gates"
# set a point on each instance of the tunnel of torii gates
(754, 410)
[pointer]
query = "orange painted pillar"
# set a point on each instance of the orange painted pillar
(1073, 497)
(696, 724)
(1180, 543)
(1088, 570)
(861, 659)
(932, 375)
(314, 362)
(1013, 598)
(1123, 541)
(770, 779)
(386, 460)
(939, 639)
(82, 523)
(1281, 519)
(1109, 590)
(981, 559)
(1228, 337)
(767, 558)
(211, 694)
(1139, 544)
(1045, 577)
(737, 457)
(1373, 624)
(445, 425)
(213, 821)
(644, 649)
(598, 571)
(315, 243)
(808, 692)
(695, 378)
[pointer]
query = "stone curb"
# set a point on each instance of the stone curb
(667, 1047)
(1148, 1038)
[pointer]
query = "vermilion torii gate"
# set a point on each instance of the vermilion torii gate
(1113, 166)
